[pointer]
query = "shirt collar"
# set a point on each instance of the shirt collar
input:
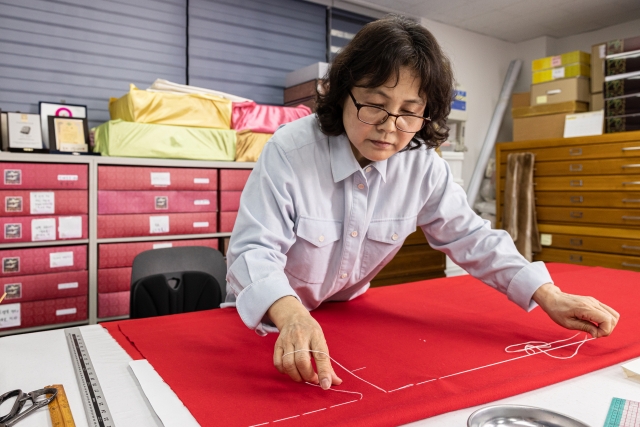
(344, 163)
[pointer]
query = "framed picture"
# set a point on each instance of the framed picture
(60, 110)
(24, 132)
(68, 134)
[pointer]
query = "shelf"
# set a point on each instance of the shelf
(112, 319)
(162, 237)
(44, 328)
(44, 158)
(46, 243)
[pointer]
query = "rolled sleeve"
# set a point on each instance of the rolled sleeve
(526, 282)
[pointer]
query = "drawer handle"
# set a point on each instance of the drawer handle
(631, 248)
(630, 166)
(575, 258)
(576, 242)
(576, 214)
(631, 183)
(628, 264)
(578, 151)
(635, 218)
(575, 168)
(630, 200)
(576, 183)
(577, 199)
(630, 148)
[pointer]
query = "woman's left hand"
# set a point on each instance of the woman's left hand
(576, 312)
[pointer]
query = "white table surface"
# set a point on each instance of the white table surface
(32, 361)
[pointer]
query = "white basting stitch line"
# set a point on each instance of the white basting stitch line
(339, 391)
(340, 404)
(400, 388)
(317, 410)
(427, 381)
(288, 418)
(353, 370)
(256, 425)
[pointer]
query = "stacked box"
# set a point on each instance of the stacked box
(566, 65)
(621, 89)
(232, 182)
(41, 229)
(42, 312)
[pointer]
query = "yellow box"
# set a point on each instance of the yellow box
(572, 70)
(560, 60)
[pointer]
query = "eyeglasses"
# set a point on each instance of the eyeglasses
(372, 115)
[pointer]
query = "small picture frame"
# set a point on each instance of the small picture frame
(162, 202)
(13, 290)
(24, 133)
(11, 265)
(13, 204)
(12, 231)
(59, 110)
(68, 135)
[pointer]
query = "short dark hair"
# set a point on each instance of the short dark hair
(376, 53)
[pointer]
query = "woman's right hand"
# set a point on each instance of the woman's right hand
(300, 331)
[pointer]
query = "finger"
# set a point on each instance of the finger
(304, 366)
(289, 363)
(614, 313)
(335, 379)
(278, 351)
(582, 325)
(603, 321)
(323, 363)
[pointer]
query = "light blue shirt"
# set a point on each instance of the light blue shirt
(315, 225)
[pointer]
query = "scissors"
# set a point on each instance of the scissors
(38, 400)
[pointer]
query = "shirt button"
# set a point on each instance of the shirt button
(361, 186)
(321, 238)
(368, 169)
(354, 234)
(343, 276)
(394, 237)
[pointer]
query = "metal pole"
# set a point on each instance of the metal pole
(492, 132)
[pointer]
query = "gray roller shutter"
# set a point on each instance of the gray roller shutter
(247, 47)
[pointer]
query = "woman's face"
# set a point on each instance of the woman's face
(373, 143)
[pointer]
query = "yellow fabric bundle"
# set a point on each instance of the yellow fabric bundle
(250, 144)
(197, 110)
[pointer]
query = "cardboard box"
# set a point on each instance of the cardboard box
(227, 221)
(575, 89)
(573, 70)
(560, 60)
(303, 91)
(622, 106)
(113, 255)
(622, 65)
(42, 229)
(126, 202)
(45, 312)
(49, 259)
(616, 87)
(521, 99)
(230, 201)
(597, 102)
(539, 127)
(622, 123)
(623, 45)
(598, 54)
(145, 178)
(43, 176)
(539, 110)
(53, 202)
(44, 286)
(233, 179)
(113, 304)
(114, 280)
(134, 225)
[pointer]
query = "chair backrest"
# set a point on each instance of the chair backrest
(176, 280)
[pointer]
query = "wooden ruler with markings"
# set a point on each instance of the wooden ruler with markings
(59, 409)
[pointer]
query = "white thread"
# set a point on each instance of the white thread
(340, 404)
(427, 381)
(537, 347)
(284, 419)
(339, 391)
(400, 388)
(353, 370)
(317, 410)
(256, 425)
(336, 362)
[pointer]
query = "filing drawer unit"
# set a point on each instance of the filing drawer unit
(587, 193)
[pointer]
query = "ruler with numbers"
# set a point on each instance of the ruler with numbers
(623, 413)
(59, 409)
(95, 405)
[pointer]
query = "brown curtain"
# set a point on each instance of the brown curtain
(519, 204)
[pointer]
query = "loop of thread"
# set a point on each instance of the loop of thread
(537, 347)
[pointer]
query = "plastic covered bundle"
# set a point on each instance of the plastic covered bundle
(194, 109)
(250, 145)
(127, 139)
(264, 118)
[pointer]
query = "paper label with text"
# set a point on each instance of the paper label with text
(61, 259)
(67, 177)
(162, 245)
(200, 180)
(158, 224)
(9, 315)
(558, 73)
(202, 224)
(66, 311)
(43, 229)
(202, 202)
(43, 202)
(160, 179)
(71, 285)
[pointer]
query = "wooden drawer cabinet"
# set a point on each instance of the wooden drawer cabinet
(587, 194)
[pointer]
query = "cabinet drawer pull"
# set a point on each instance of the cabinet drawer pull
(631, 248)
(576, 242)
(574, 214)
(631, 183)
(630, 148)
(578, 151)
(576, 183)
(575, 168)
(634, 218)
(630, 200)
(630, 166)
(577, 199)
(628, 264)
(575, 258)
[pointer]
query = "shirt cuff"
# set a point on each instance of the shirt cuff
(254, 300)
(526, 282)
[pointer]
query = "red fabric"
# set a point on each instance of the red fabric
(264, 118)
(402, 335)
(114, 330)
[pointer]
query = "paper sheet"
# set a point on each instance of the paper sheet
(43, 229)
(584, 124)
(164, 401)
(158, 224)
(43, 202)
(632, 370)
(61, 259)
(9, 315)
(70, 227)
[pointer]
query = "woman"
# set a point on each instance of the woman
(334, 195)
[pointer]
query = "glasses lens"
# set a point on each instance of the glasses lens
(372, 115)
(410, 123)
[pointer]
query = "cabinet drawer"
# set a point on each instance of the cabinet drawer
(624, 217)
(586, 167)
(592, 199)
(585, 183)
(589, 259)
(614, 150)
(416, 261)
(610, 245)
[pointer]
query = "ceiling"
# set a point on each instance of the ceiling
(516, 20)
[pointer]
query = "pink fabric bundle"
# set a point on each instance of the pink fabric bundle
(264, 118)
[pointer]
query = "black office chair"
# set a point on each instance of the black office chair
(176, 280)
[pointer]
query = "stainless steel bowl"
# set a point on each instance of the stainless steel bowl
(520, 416)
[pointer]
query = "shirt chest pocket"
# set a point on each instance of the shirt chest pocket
(384, 238)
(309, 257)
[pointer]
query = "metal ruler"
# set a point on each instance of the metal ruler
(95, 405)
(59, 409)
